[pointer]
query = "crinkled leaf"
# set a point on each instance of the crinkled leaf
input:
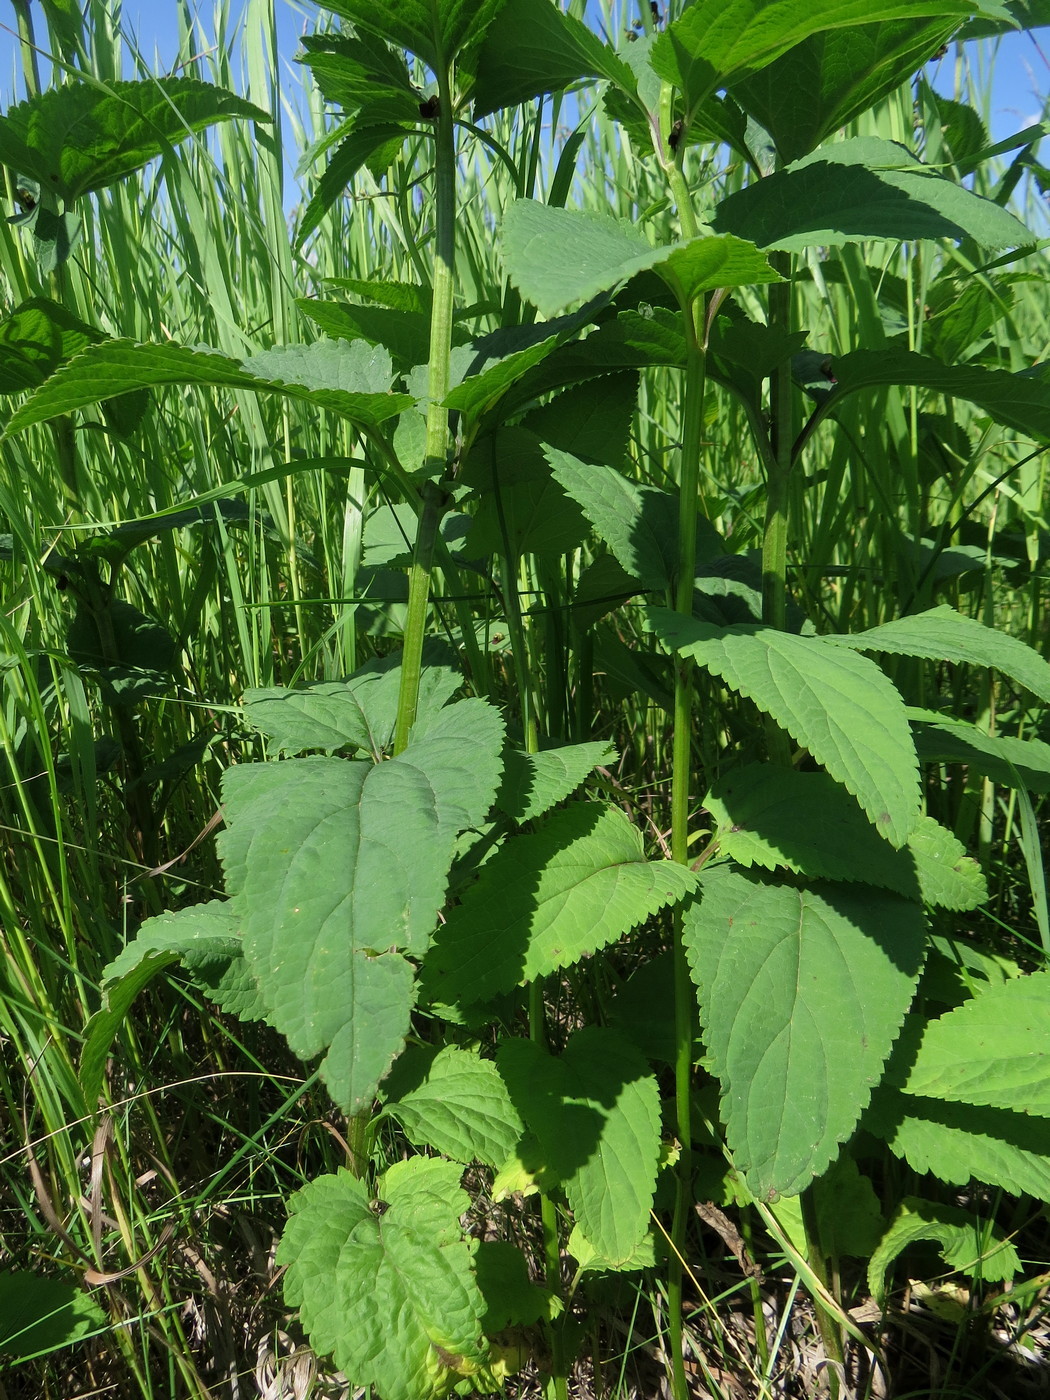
(769, 816)
(547, 899)
(595, 1113)
(596, 253)
(533, 783)
(38, 1315)
(994, 1049)
(942, 634)
(534, 47)
(858, 189)
(455, 1102)
(967, 1243)
(359, 712)
(390, 1295)
(851, 718)
(959, 1143)
(342, 867)
(802, 994)
(81, 136)
(338, 378)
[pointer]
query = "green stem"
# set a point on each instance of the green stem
(829, 1330)
(774, 544)
(437, 415)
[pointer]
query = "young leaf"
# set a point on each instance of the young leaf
(334, 376)
(851, 718)
(84, 136)
(547, 899)
(595, 1112)
(770, 816)
(392, 1296)
(994, 1049)
(802, 994)
(967, 1244)
(342, 867)
(858, 189)
(455, 1102)
(533, 783)
(942, 634)
(597, 254)
(960, 1142)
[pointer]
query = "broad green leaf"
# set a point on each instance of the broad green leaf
(391, 1296)
(1012, 762)
(968, 1244)
(35, 339)
(480, 392)
(715, 43)
(359, 712)
(38, 1315)
(769, 816)
(339, 377)
(802, 994)
(851, 718)
(595, 1113)
(994, 1049)
(546, 900)
(639, 523)
(134, 656)
(342, 868)
(84, 136)
(434, 30)
(534, 47)
(959, 1143)
(859, 189)
(406, 334)
(825, 81)
(591, 421)
(522, 508)
(533, 783)
(1019, 401)
(847, 1208)
(596, 253)
(510, 1296)
(363, 75)
(205, 939)
(942, 634)
(455, 1102)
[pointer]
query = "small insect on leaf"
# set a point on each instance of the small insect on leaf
(430, 108)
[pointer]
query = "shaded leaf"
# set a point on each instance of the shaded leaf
(967, 1243)
(455, 1102)
(38, 1315)
(533, 783)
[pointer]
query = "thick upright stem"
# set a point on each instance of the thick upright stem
(774, 544)
(437, 415)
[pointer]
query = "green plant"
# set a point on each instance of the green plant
(416, 867)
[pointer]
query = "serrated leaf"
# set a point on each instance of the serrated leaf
(639, 523)
(714, 44)
(597, 253)
(967, 1243)
(206, 940)
(825, 81)
(358, 72)
(547, 899)
(510, 1296)
(81, 136)
(35, 339)
(1012, 762)
(592, 421)
(847, 1209)
(456, 1103)
(358, 712)
(39, 1315)
(802, 993)
(959, 1143)
(859, 189)
(434, 30)
(533, 783)
(361, 146)
(942, 634)
(522, 508)
(479, 393)
(342, 868)
(391, 1297)
(994, 1049)
(769, 816)
(596, 1115)
(852, 719)
(340, 382)
(533, 48)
